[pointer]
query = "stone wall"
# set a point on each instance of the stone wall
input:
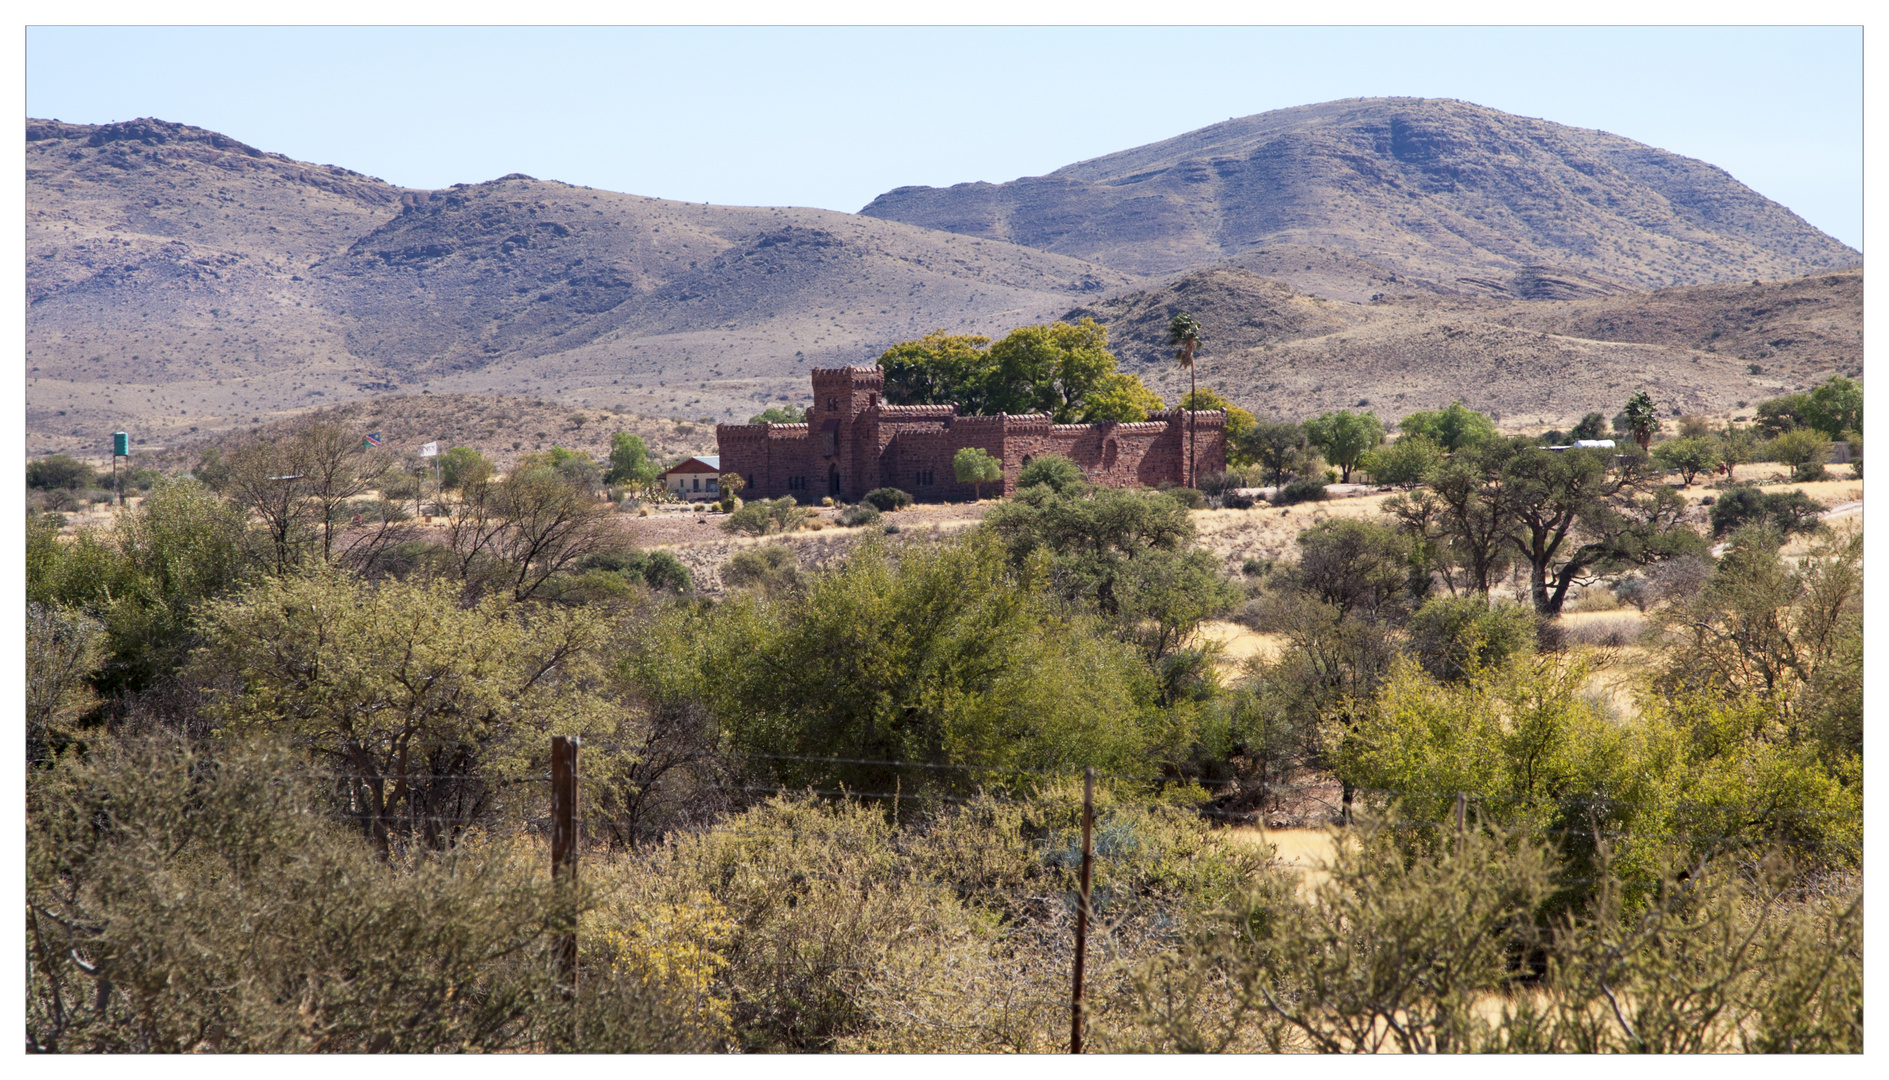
(853, 443)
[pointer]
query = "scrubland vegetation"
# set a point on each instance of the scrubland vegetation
(288, 749)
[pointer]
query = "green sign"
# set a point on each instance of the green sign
(121, 444)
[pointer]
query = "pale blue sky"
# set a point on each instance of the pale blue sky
(832, 117)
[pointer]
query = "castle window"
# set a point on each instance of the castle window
(832, 404)
(796, 483)
(923, 478)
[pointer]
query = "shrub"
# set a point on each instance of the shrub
(1455, 636)
(773, 567)
(765, 517)
(888, 499)
(1788, 512)
(1188, 497)
(863, 514)
(60, 471)
(1301, 490)
(1053, 470)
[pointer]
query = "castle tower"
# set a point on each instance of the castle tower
(844, 424)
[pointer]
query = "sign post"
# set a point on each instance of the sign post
(431, 450)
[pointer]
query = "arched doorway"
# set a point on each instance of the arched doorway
(833, 480)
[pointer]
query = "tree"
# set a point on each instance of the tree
(946, 657)
(1688, 456)
(400, 684)
(1050, 369)
(1460, 522)
(1642, 418)
(1781, 414)
(463, 465)
(1574, 513)
(1125, 553)
(974, 465)
(1785, 512)
(1238, 422)
(1452, 428)
(298, 483)
(1835, 407)
(1344, 436)
(1184, 335)
(1407, 461)
(1736, 446)
(1803, 449)
(1592, 426)
(519, 532)
(1275, 446)
(1360, 568)
(630, 462)
(938, 369)
(1120, 398)
(780, 414)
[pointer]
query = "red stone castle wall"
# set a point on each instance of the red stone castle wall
(853, 442)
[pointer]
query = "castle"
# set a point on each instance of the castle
(853, 442)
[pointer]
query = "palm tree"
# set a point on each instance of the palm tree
(1184, 334)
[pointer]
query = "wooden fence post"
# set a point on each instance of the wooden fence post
(1082, 910)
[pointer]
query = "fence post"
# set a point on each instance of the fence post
(1082, 910)
(564, 849)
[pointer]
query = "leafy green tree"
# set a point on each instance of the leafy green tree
(1239, 421)
(1642, 418)
(1275, 446)
(1120, 398)
(1781, 414)
(1575, 513)
(1360, 568)
(1736, 446)
(779, 414)
(939, 369)
(1050, 369)
(393, 683)
(630, 462)
(1805, 450)
(1835, 407)
(1592, 426)
(146, 579)
(1343, 437)
(948, 657)
(1406, 461)
(1461, 523)
(463, 465)
(974, 465)
(1451, 428)
(1125, 553)
(1688, 456)
(1454, 637)
(1786, 513)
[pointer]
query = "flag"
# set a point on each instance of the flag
(430, 450)
(373, 439)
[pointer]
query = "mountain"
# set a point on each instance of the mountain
(1285, 353)
(178, 279)
(1455, 195)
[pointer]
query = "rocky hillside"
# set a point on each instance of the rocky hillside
(178, 280)
(1455, 194)
(1281, 352)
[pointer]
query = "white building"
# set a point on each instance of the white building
(696, 478)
